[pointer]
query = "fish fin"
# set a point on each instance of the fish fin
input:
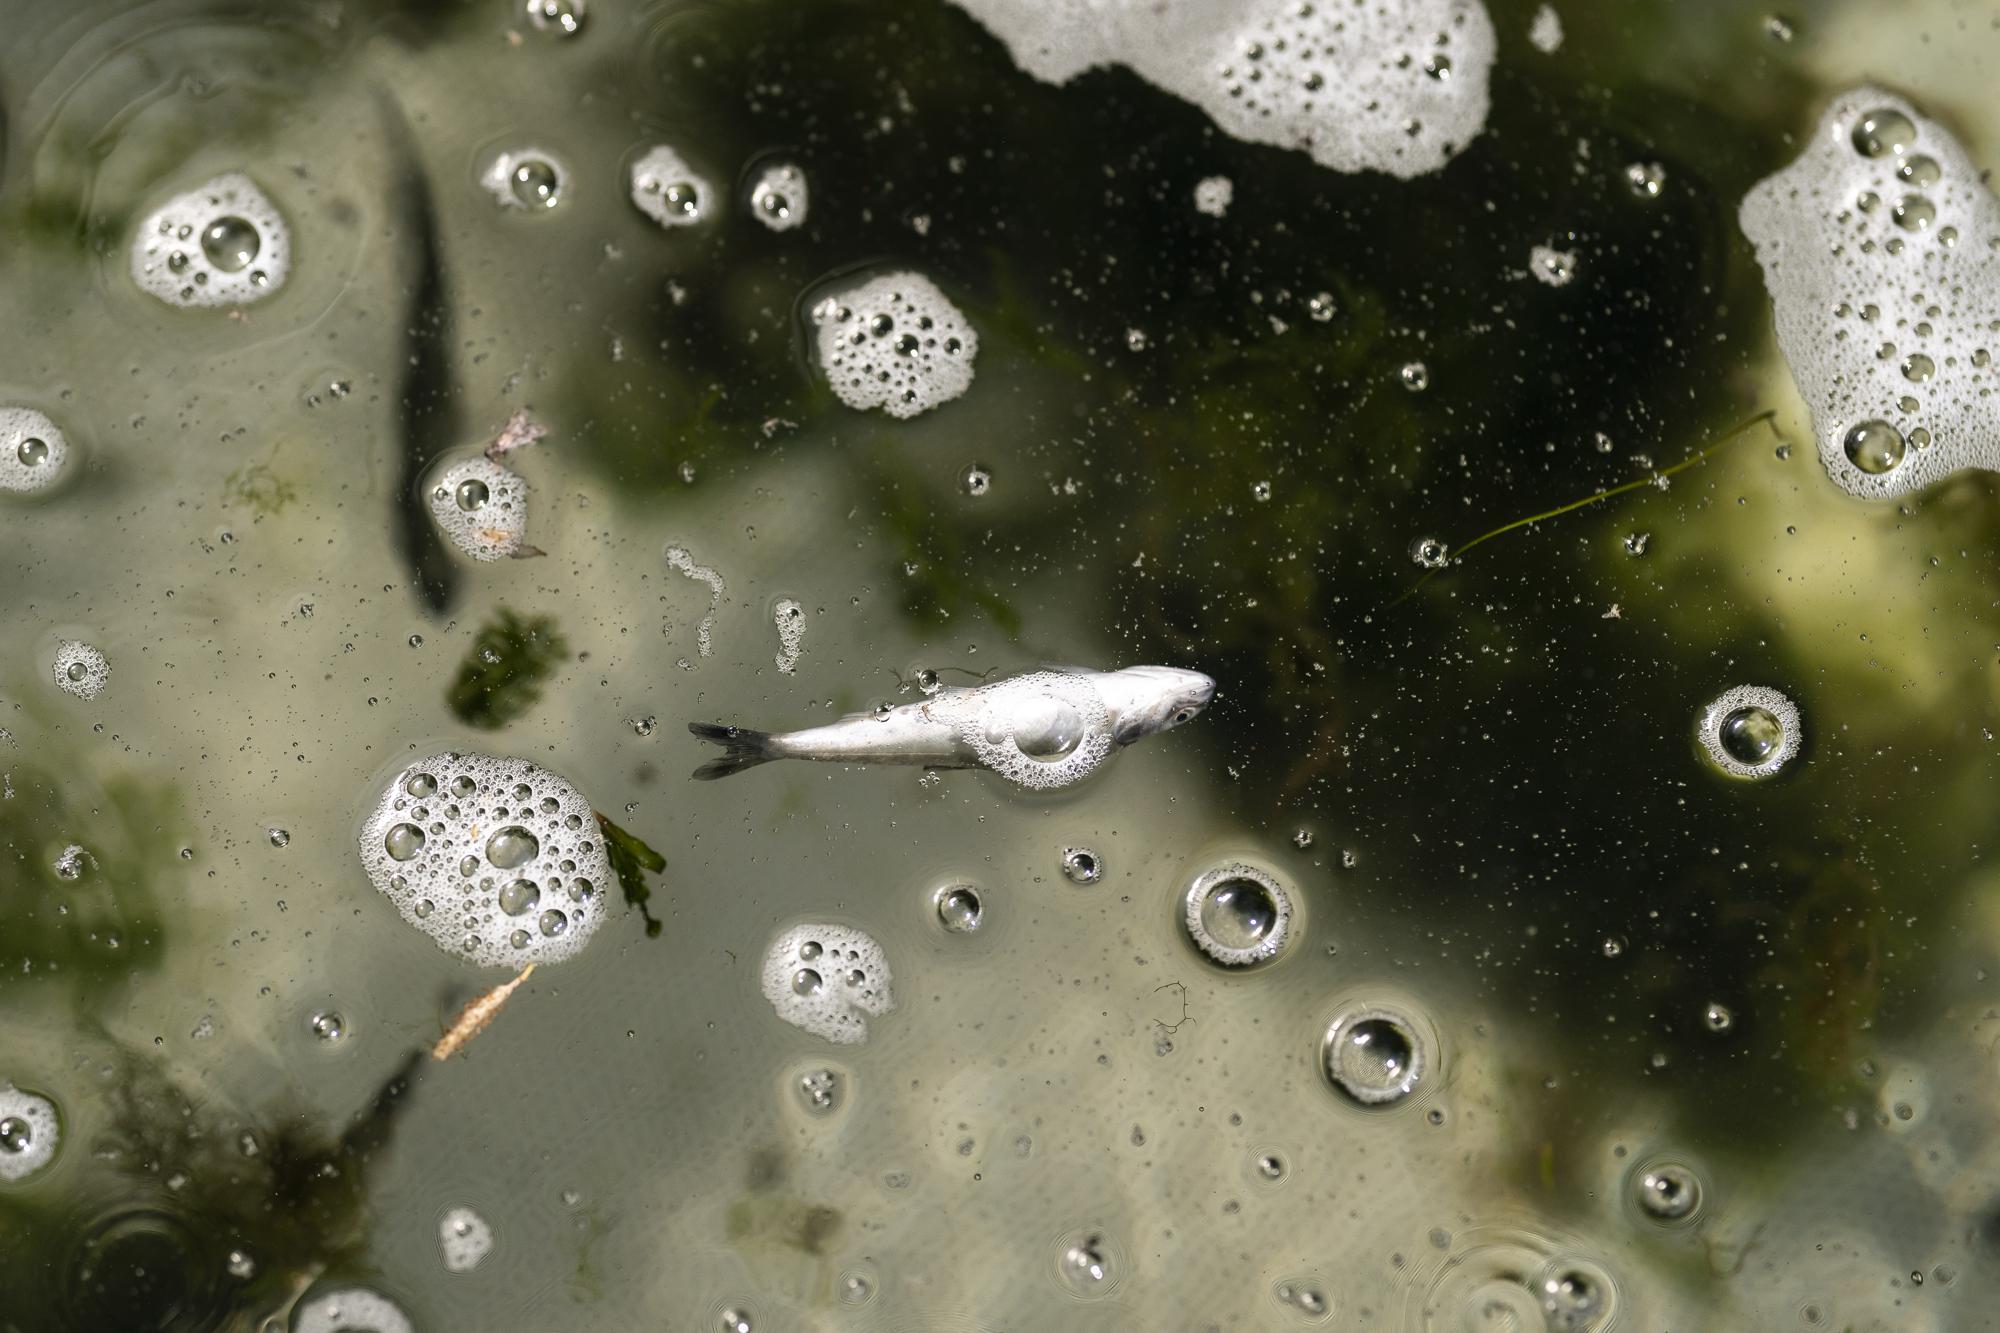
(745, 749)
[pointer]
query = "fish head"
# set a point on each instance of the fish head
(1147, 699)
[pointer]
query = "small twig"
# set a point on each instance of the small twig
(1185, 1017)
(520, 431)
(472, 1019)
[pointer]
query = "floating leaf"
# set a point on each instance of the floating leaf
(633, 860)
(502, 677)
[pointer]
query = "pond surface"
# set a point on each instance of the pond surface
(1551, 446)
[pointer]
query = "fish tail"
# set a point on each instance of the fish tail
(743, 748)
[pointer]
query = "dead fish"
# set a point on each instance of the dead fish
(1043, 730)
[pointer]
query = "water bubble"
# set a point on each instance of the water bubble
(1302, 839)
(80, 669)
(1374, 1055)
(558, 16)
(837, 1009)
(328, 1026)
(1573, 1297)
(350, 1310)
(1883, 130)
(1416, 377)
(481, 506)
(1913, 212)
(519, 896)
(1308, 1299)
(1213, 195)
(1917, 368)
(1667, 1191)
(1322, 307)
(279, 837)
(1270, 1167)
(512, 846)
(525, 178)
(669, 191)
(820, 1091)
(465, 1239)
(976, 480)
(778, 199)
(736, 1320)
(1645, 179)
(1779, 28)
(1751, 731)
(1260, 491)
(1717, 1018)
(29, 1133)
(1080, 865)
(421, 785)
(230, 243)
(1088, 1265)
(1237, 914)
(237, 224)
(403, 841)
(1552, 266)
(959, 908)
(472, 494)
(856, 1289)
(69, 864)
(1875, 447)
(1430, 553)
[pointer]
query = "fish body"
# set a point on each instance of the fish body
(1043, 729)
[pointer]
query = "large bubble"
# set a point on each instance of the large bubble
(221, 244)
(480, 506)
(350, 1310)
(1750, 731)
(29, 1133)
(33, 450)
(1397, 86)
(498, 860)
(1881, 249)
(894, 342)
(828, 980)
(80, 669)
(1238, 914)
(670, 192)
(1044, 730)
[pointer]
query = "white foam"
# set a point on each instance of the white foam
(22, 467)
(1882, 322)
(895, 342)
(350, 1310)
(791, 621)
(669, 191)
(1355, 83)
(1545, 32)
(1043, 730)
(1213, 195)
(169, 261)
(44, 1132)
(679, 558)
(495, 526)
(80, 669)
(828, 980)
(1552, 266)
(450, 886)
(779, 199)
(465, 1238)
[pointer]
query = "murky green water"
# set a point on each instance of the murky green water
(1545, 1021)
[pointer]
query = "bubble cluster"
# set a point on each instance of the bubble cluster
(1374, 1054)
(498, 860)
(480, 506)
(894, 342)
(80, 669)
(1042, 730)
(526, 178)
(1750, 731)
(1213, 195)
(1880, 247)
(1552, 266)
(790, 618)
(828, 980)
(680, 560)
(29, 1133)
(1398, 86)
(1506, 1277)
(1545, 30)
(465, 1238)
(778, 197)
(33, 450)
(669, 191)
(558, 16)
(1238, 914)
(350, 1310)
(223, 243)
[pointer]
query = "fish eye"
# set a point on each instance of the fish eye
(1183, 715)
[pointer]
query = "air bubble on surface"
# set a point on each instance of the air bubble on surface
(1397, 86)
(1545, 30)
(1089, 1264)
(778, 197)
(828, 980)
(1666, 1192)
(1856, 239)
(959, 908)
(464, 1238)
(1042, 730)
(1552, 266)
(480, 506)
(506, 821)
(1750, 731)
(1213, 195)
(669, 191)
(33, 450)
(894, 342)
(564, 17)
(1081, 865)
(1237, 914)
(350, 1310)
(221, 244)
(681, 561)
(1516, 1278)
(1375, 1054)
(525, 178)
(80, 669)
(29, 1133)
(790, 618)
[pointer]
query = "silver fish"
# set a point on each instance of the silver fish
(1044, 729)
